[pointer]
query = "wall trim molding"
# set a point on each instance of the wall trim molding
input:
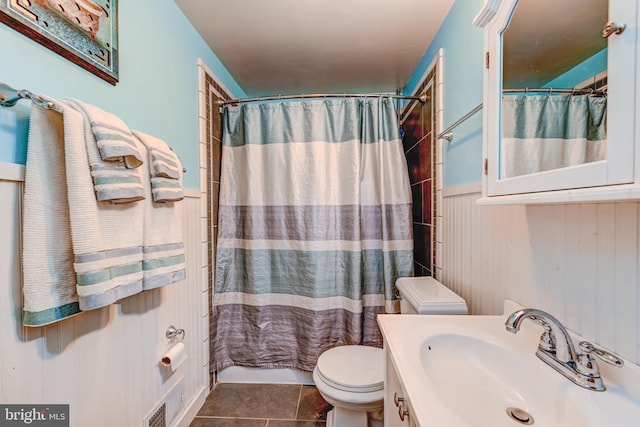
(15, 172)
(11, 172)
(191, 192)
(433, 64)
(215, 78)
(461, 190)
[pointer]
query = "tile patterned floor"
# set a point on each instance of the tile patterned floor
(263, 405)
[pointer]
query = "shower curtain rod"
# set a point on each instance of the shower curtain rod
(585, 91)
(422, 98)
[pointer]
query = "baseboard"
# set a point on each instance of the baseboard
(190, 412)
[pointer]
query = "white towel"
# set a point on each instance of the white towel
(115, 160)
(165, 170)
(164, 162)
(107, 238)
(164, 258)
(49, 285)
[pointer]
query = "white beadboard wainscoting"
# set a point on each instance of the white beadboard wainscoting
(579, 262)
(104, 363)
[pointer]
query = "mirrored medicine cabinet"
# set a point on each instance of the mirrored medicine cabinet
(560, 100)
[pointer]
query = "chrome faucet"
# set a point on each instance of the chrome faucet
(556, 350)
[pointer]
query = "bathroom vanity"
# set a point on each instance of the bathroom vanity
(470, 371)
(397, 406)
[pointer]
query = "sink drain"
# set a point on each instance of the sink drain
(519, 415)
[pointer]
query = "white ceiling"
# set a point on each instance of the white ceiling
(318, 46)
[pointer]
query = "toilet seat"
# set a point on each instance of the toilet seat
(352, 368)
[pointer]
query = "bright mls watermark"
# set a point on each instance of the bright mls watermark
(34, 415)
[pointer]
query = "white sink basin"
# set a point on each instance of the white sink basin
(481, 380)
(469, 371)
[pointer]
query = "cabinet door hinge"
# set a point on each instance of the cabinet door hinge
(486, 166)
(486, 60)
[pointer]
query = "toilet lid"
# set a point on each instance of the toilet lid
(353, 368)
(428, 296)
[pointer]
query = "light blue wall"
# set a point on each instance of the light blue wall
(463, 64)
(158, 88)
(581, 72)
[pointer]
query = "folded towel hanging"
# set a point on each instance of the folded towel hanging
(113, 155)
(163, 164)
(49, 283)
(107, 238)
(165, 170)
(163, 161)
(78, 253)
(163, 241)
(113, 137)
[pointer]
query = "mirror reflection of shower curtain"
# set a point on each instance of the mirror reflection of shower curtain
(314, 229)
(545, 132)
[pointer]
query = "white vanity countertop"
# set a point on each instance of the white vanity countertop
(407, 338)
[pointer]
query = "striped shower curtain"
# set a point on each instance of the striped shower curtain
(544, 132)
(314, 228)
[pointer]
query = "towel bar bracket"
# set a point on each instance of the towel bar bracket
(447, 134)
(9, 97)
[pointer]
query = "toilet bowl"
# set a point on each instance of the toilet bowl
(351, 377)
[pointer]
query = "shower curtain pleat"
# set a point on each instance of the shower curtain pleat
(544, 132)
(314, 227)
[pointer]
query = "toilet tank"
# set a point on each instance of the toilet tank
(425, 295)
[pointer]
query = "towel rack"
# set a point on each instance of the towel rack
(10, 97)
(446, 134)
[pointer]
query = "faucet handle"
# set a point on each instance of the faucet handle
(587, 349)
(547, 339)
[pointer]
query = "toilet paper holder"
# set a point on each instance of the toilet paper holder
(173, 332)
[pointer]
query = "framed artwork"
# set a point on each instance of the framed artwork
(83, 31)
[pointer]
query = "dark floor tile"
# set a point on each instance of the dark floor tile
(292, 423)
(252, 401)
(227, 422)
(312, 406)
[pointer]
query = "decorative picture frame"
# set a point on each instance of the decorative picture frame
(83, 31)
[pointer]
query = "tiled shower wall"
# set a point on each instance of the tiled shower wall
(418, 124)
(212, 94)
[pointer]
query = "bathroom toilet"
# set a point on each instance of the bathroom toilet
(425, 295)
(351, 377)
